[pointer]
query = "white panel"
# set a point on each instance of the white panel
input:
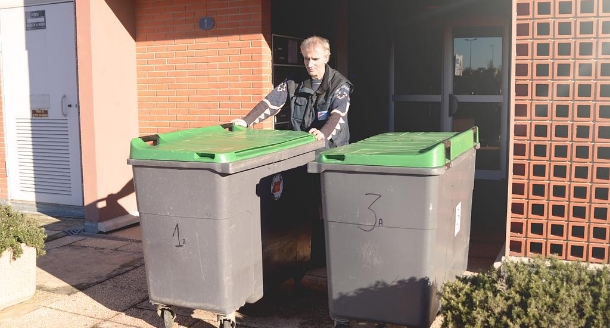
(41, 114)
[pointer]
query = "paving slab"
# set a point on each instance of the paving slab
(133, 232)
(102, 301)
(141, 318)
(56, 224)
(70, 268)
(50, 318)
(41, 298)
(101, 243)
(62, 241)
(56, 228)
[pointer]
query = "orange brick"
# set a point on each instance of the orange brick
(536, 229)
(557, 230)
(519, 208)
(599, 233)
(558, 211)
(518, 227)
(556, 248)
(516, 246)
(577, 251)
(535, 247)
(562, 111)
(598, 253)
(578, 212)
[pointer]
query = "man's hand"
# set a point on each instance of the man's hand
(240, 122)
(316, 133)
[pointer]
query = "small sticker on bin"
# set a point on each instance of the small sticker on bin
(277, 186)
(458, 218)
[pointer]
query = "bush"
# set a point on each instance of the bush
(537, 293)
(17, 228)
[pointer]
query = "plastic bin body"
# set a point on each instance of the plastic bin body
(394, 235)
(201, 223)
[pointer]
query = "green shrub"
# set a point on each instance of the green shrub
(17, 228)
(538, 293)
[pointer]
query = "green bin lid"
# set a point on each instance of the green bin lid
(404, 149)
(215, 144)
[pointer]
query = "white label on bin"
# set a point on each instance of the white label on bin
(458, 217)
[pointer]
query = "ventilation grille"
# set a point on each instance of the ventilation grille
(44, 156)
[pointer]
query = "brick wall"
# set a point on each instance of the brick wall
(561, 154)
(188, 77)
(3, 176)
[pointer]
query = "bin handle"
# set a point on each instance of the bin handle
(447, 152)
(475, 137)
(153, 137)
(228, 126)
(335, 157)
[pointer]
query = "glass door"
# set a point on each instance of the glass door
(451, 78)
(476, 93)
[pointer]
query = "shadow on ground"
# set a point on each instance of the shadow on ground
(99, 281)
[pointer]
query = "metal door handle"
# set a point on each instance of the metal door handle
(63, 106)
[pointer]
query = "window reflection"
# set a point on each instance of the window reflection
(477, 66)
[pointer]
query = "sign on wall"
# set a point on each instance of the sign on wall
(35, 20)
(40, 104)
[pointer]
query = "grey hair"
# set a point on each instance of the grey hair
(313, 41)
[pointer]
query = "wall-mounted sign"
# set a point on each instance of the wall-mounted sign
(35, 20)
(206, 23)
(40, 104)
(459, 65)
(40, 113)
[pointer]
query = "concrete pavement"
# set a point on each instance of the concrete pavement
(88, 280)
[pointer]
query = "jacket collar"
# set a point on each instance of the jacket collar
(325, 84)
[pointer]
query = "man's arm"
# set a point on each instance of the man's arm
(269, 106)
(338, 112)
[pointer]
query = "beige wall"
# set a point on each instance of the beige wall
(109, 109)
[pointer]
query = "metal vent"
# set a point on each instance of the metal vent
(44, 156)
(75, 231)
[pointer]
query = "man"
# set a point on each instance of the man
(318, 105)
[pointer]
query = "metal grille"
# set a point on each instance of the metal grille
(44, 156)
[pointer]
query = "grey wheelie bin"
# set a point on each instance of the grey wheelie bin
(200, 194)
(396, 211)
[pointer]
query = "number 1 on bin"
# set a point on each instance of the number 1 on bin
(177, 235)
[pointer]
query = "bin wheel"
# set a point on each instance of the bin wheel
(226, 320)
(227, 323)
(168, 317)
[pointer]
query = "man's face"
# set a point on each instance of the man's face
(315, 60)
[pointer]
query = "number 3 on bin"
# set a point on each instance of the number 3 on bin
(377, 221)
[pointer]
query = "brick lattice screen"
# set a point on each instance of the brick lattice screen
(561, 154)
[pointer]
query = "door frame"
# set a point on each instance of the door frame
(504, 98)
